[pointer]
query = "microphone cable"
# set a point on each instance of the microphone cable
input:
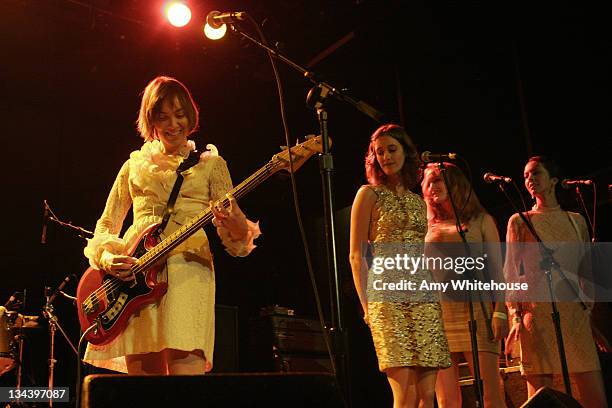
(281, 100)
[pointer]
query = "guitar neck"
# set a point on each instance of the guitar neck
(162, 249)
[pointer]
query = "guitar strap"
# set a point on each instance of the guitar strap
(190, 161)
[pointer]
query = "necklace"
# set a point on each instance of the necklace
(545, 209)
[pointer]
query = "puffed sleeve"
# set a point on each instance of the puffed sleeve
(108, 227)
(220, 183)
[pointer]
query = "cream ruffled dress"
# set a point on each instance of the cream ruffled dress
(184, 318)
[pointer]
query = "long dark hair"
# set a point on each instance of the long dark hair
(410, 172)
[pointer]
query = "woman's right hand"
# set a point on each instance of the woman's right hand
(365, 315)
(514, 334)
(119, 266)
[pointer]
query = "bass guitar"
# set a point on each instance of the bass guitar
(105, 303)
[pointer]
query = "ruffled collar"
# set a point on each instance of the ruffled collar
(151, 164)
(155, 148)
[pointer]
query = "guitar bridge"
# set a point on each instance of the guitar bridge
(91, 305)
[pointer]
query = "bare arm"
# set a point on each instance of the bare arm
(490, 237)
(360, 223)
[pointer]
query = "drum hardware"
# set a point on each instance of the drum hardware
(8, 346)
(11, 325)
(13, 329)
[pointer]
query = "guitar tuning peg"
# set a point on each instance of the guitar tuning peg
(282, 147)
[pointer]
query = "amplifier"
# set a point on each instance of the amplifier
(286, 344)
(288, 334)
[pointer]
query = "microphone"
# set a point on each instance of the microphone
(568, 183)
(59, 288)
(427, 157)
(43, 236)
(215, 19)
(12, 301)
(491, 178)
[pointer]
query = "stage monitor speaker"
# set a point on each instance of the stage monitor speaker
(547, 397)
(213, 390)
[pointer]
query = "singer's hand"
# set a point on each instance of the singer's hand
(500, 328)
(366, 317)
(232, 219)
(118, 266)
(515, 333)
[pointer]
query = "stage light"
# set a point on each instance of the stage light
(178, 13)
(215, 33)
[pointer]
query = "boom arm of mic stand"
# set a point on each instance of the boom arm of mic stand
(83, 233)
(48, 313)
(361, 106)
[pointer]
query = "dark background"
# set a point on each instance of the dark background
(494, 83)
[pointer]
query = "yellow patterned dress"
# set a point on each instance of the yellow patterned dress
(405, 333)
(184, 318)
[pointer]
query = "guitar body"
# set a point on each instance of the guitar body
(108, 302)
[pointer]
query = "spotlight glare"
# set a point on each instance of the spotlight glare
(178, 14)
(215, 33)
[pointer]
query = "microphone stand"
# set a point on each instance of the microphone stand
(319, 92)
(48, 309)
(326, 88)
(48, 312)
(81, 232)
(580, 199)
(547, 264)
(472, 326)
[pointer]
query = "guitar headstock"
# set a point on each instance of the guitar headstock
(299, 153)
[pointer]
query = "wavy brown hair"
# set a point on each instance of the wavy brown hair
(467, 203)
(410, 172)
(153, 96)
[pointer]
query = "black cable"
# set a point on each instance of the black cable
(295, 196)
(79, 365)
(469, 176)
(580, 199)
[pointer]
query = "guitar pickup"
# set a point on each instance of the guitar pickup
(114, 310)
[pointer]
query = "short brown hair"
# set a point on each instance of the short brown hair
(158, 90)
(410, 172)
